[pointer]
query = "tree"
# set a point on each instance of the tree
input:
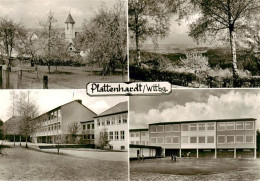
(102, 139)
(149, 19)
(218, 17)
(73, 129)
(28, 109)
(2, 135)
(104, 38)
(49, 35)
(10, 34)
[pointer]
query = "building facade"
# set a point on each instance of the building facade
(215, 138)
(88, 132)
(114, 122)
(53, 126)
(139, 136)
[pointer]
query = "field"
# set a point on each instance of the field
(64, 77)
(196, 169)
(25, 164)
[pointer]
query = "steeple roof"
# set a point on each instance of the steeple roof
(70, 19)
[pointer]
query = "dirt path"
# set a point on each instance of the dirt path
(23, 164)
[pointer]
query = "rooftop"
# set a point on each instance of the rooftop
(212, 120)
(118, 108)
(70, 19)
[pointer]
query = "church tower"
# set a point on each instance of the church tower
(69, 29)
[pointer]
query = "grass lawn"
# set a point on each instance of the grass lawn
(25, 164)
(62, 78)
(195, 169)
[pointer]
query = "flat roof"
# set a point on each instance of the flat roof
(212, 120)
(142, 129)
(87, 121)
(143, 146)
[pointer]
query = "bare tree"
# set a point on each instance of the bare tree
(2, 135)
(10, 34)
(149, 19)
(102, 139)
(217, 17)
(73, 129)
(28, 109)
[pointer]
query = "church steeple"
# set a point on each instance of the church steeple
(69, 28)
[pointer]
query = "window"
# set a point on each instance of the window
(111, 136)
(143, 133)
(193, 127)
(160, 140)
(249, 139)
(153, 129)
(84, 137)
(210, 126)
(153, 140)
(84, 127)
(93, 126)
(160, 129)
(202, 139)
(88, 137)
(210, 139)
(168, 140)
(132, 134)
(137, 134)
(221, 126)
(98, 122)
(230, 139)
(122, 147)
(230, 125)
(193, 139)
(221, 139)
(168, 128)
(202, 127)
(103, 123)
(175, 139)
(249, 125)
(113, 120)
(88, 126)
(93, 137)
(240, 139)
(125, 118)
(137, 142)
(122, 135)
(116, 135)
(143, 142)
(185, 127)
(184, 139)
(239, 125)
(132, 142)
(108, 122)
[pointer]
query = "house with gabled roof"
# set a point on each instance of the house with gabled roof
(113, 121)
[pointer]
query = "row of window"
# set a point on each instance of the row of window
(137, 134)
(222, 126)
(52, 127)
(140, 142)
(222, 139)
(88, 126)
(239, 125)
(115, 135)
(89, 137)
(112, 120)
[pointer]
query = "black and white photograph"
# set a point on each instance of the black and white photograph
(62, 135)
(195, 43)
(210, 134)
(62, 44)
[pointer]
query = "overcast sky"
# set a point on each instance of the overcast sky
(30, 12)
(50, 99)
(194, 104)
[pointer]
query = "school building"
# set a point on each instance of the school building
(139, 136)
(53, 126)
(234, 138)
(114, 122)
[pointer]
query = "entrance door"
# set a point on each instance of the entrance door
(138, 152)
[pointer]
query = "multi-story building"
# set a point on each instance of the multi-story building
(88, 131)
(216, 138)
(114, 122)
(54, 124)
(139, 136)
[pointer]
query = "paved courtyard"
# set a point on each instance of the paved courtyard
(196, 169)
(18, 163)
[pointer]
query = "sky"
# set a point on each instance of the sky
(50, 99)
(30, 12)
(195, 104)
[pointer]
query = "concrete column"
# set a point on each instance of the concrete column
(180, 152)
(197, 153)
(235, 153)
(255, 151)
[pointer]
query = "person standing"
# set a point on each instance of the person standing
(171, 157)
(174, 157)
(143, 158)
